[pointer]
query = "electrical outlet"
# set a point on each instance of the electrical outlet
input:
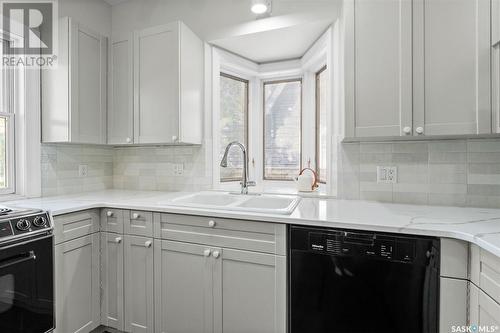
(83, 170)
(178, 168)
(387, 174)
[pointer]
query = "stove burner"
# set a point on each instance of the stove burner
(5, 211)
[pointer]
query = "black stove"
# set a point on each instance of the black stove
(26, 271)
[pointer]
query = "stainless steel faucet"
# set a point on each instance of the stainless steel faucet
(245, 183)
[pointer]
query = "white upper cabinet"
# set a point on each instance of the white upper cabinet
(417, 67)
(121, 92)
(452, 67)
(379, 67)
(156, 86)
(495, 21)
(74, 94)
(168, 72)
(495, 63)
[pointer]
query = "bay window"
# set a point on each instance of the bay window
(282, 129)
(233, 123)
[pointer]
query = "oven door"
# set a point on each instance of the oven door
(26, 287)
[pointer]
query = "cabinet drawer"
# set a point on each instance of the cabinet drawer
(112, 220)
(485, 271)
(229, 233)
(139, 223)
(74, 225)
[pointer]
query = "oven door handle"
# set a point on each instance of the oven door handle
(18, 260)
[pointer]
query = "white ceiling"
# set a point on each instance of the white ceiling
(274, 45)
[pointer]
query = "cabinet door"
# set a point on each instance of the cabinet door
(452, 303)
(77, 284)
(88, 85)
(183, 287)
(112, 280)
(484, 311)
(378, 67)
(249, 291)
(138, 284)
(156, 84)
(495, 80)
(120, 113)
(452, 67)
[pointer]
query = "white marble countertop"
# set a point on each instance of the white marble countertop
(476, 225)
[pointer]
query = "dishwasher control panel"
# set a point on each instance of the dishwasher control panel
(343, 243)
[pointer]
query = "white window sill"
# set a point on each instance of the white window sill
(277, 187)
(11, 197)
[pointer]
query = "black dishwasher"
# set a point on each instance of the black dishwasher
(357, 281)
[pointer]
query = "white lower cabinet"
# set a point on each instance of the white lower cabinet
(249, 292)
(183, 287)
(112, 259)
(138, 267)
(453, 303)
(77, 284)
(484, 311)
(202, 288)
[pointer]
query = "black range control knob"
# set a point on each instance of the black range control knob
(23, 224)
(40, 221)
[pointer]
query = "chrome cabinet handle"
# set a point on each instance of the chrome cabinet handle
(109, 213)
(118, 240)
(135, 216)
(148, 243)
(207, 253)
(419, 130)
(174, 138)
(129, 140)
(407, 130)
(216, 254)
(211, 223)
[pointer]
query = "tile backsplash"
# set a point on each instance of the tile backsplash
(443, 172)
(60, 163)
(153, 168)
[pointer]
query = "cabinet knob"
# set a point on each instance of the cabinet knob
(135, 216)
(148, 243)
(216, 254)
(129, 140)
(207, 253)
(419, 130)
(109, 213)
(174, 138)
(407, 130)
(211, 223)
(118, 240)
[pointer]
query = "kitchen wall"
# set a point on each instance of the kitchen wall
(152, 168)
(59, 162)
(60, 168)
(443, 172)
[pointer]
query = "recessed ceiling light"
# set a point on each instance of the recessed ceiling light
(259, 6)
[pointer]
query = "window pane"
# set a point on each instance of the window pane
(3, 153)
(321, 122)
(233, 123)
(282, 137)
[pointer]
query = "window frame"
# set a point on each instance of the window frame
(222, 73)
(10, 85)
(277, 81)
(317, 122)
